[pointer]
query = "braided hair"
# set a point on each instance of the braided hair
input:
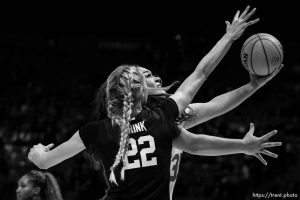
(49, 188)
(155, 96)
(125, 88)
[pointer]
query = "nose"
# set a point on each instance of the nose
(157, 79)
(18, 189)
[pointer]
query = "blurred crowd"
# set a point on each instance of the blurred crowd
(33, 111)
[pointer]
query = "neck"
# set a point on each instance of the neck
(36, 198)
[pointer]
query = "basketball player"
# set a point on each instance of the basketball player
(195, 114)
(150, 139)
(202, 111)
(136, 143)
(37, 185)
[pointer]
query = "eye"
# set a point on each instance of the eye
(148, 75)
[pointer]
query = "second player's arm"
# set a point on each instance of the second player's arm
(225, 102)
(206, 145)
(219, 105)
(187, 90)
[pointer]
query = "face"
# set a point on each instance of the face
(151, 80)
(25, 190)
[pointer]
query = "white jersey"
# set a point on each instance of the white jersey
(174, 168)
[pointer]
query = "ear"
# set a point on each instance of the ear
(36, 190)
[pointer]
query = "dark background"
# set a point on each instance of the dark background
(54, 57)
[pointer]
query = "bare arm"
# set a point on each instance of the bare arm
(218, 105)
(44, 158)
(225, 102)
(215, 146)
(187, 90)
(206, 145)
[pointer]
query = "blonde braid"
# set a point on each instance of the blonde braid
(123, 121)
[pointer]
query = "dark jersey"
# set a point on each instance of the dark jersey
(147, 169)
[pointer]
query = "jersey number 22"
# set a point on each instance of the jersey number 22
(144, 161)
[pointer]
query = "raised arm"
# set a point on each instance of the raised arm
(187, 90)
(225, 102)
(44, 158)
(199, 144)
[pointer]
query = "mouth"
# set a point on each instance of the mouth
(19, 197)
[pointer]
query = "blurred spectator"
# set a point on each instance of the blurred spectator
(38, 185)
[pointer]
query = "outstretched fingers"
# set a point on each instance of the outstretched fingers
(252, 22)
(245, 12)
(268, 135)
(236, 17)
(249, 14)
(259, 157)
(268, 153)
(270, 144)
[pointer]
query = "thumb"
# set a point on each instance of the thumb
(252, 128)
(276, 71)
(280, 67)
(227, 23)
(49, 146)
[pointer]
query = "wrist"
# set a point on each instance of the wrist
(229, 37)
(245, 147)
(254, 84)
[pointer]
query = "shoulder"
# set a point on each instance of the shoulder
(169, 108)
(94, 126)
(97, 122)
(93, 131)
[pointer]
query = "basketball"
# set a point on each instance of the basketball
(261, 54)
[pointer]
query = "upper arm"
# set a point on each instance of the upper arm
(64, 151)
(187, 90)
(184, 141)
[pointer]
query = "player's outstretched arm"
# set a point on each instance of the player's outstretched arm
(44, 158)
(216, 146)
(225, 102)
(187, 90)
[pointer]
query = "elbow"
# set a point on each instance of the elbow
(202, 73)
(194, 148)
(200, 146)
(42, 165)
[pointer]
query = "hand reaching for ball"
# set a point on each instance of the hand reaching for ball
(259, 81)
